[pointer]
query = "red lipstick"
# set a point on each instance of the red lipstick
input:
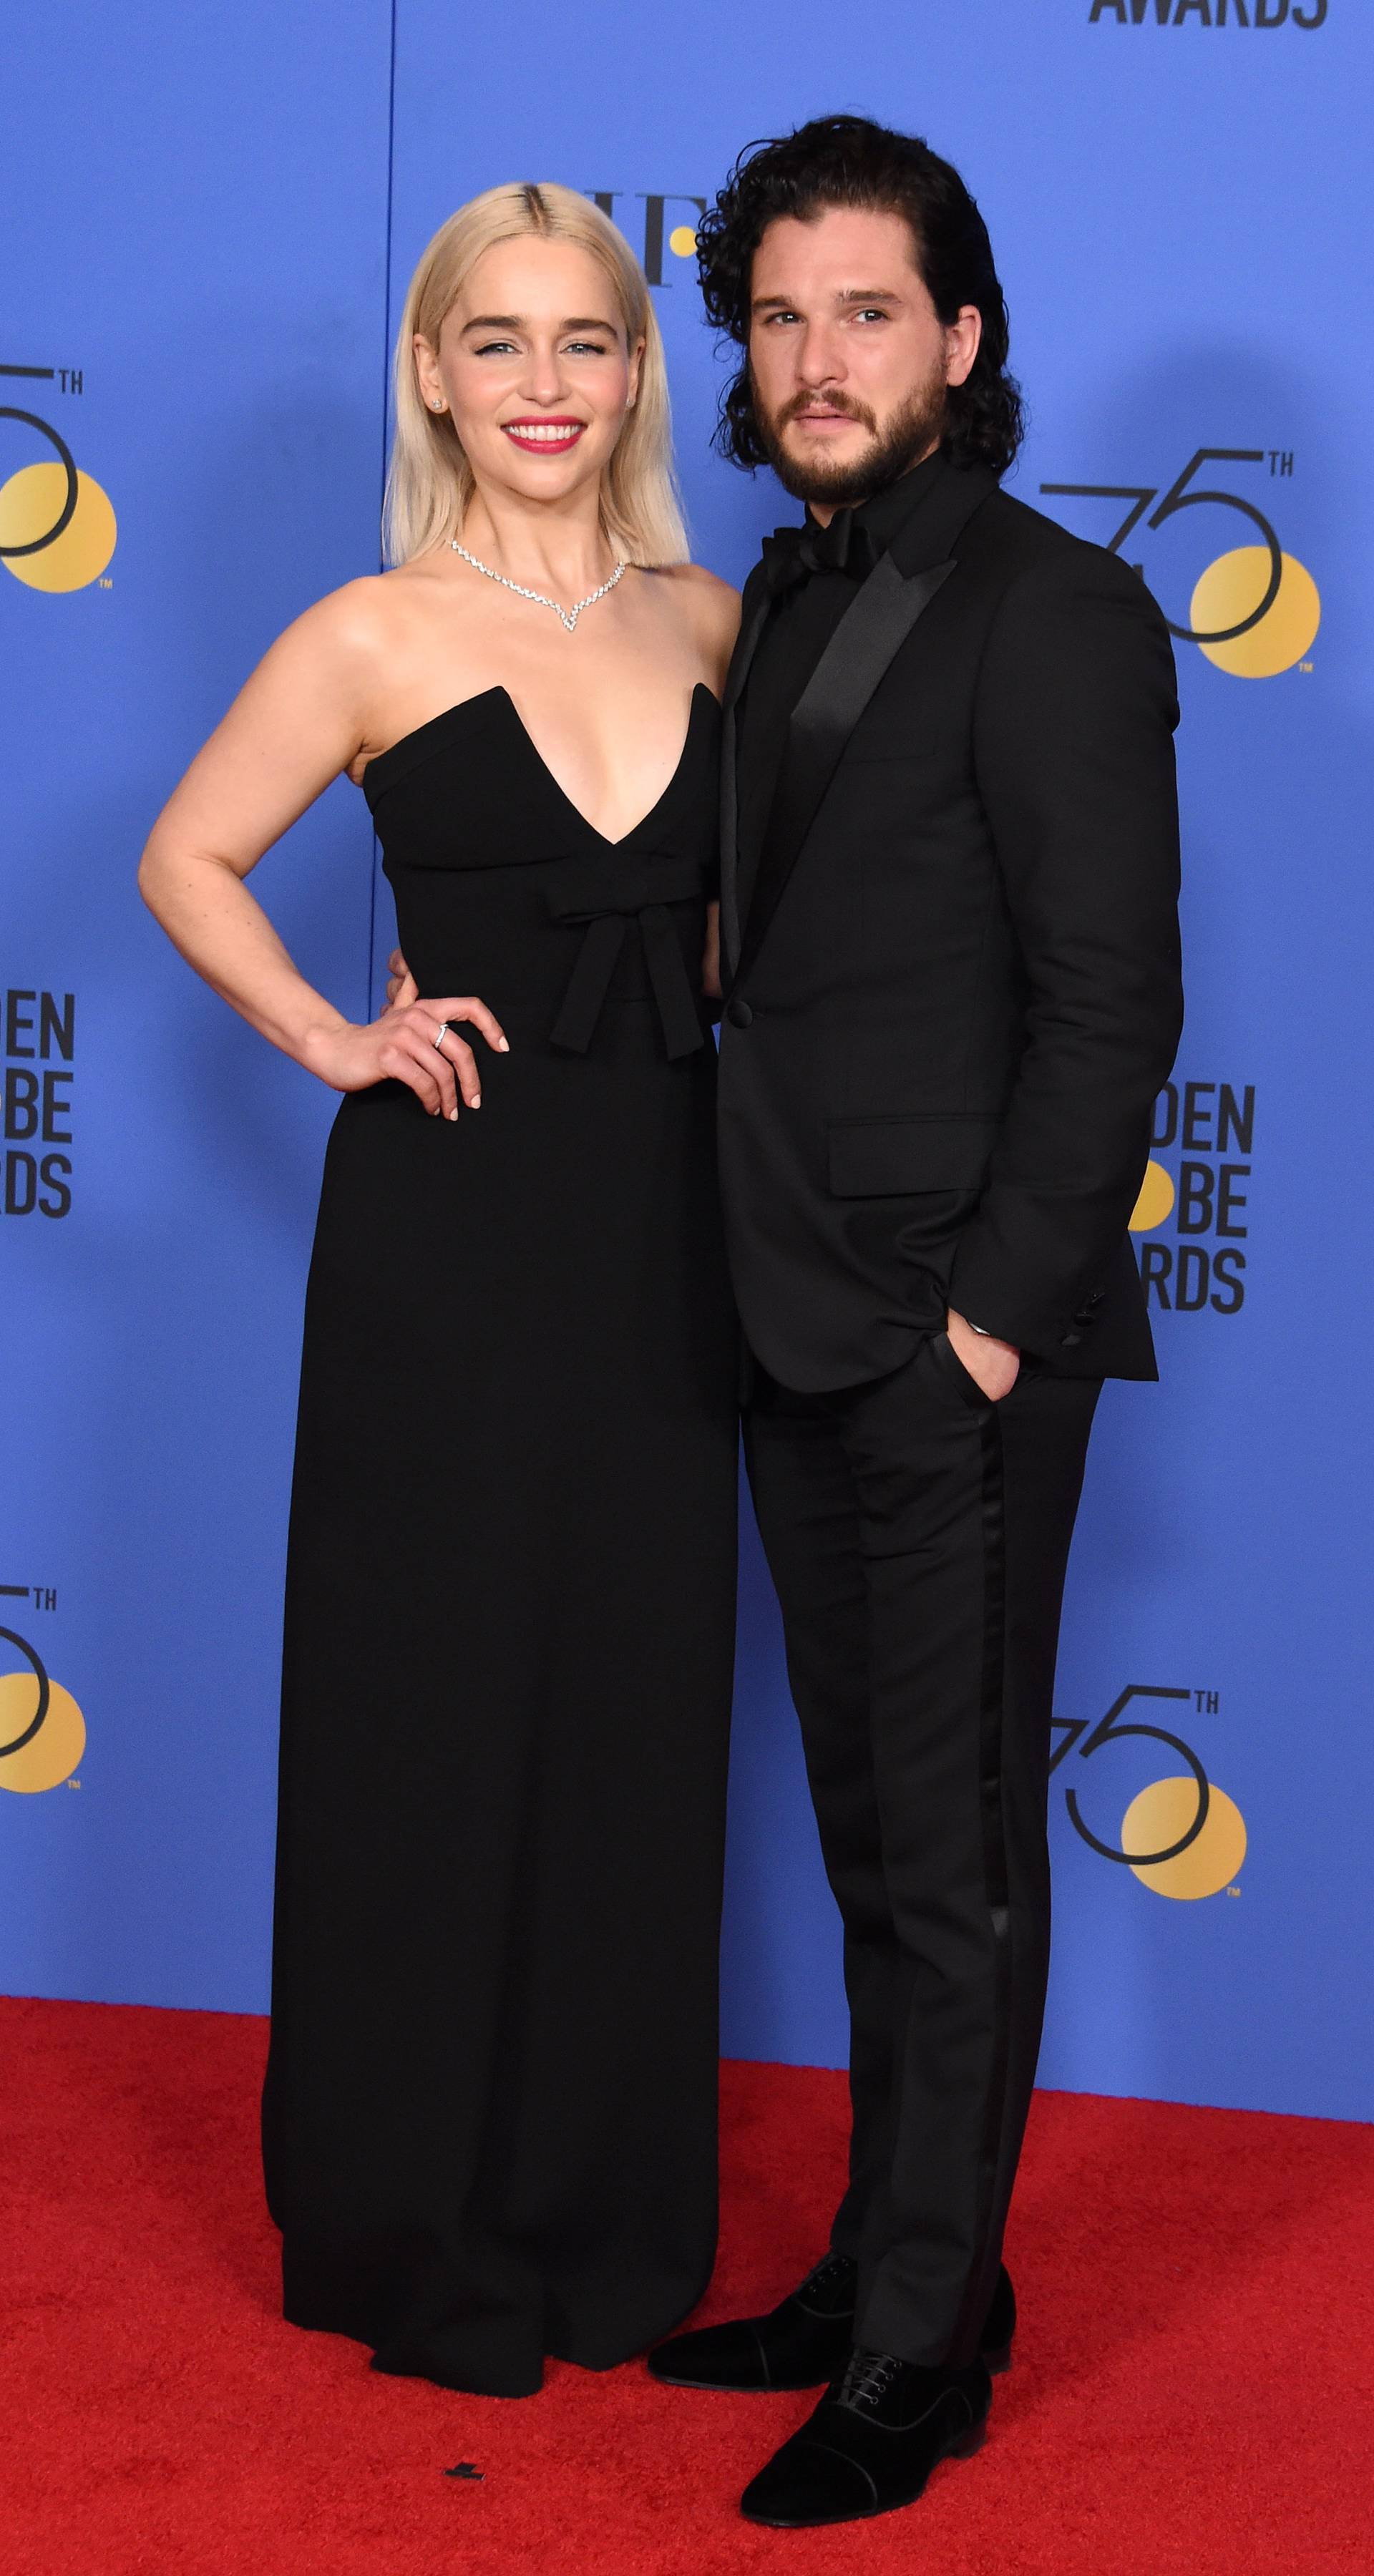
(541, 436)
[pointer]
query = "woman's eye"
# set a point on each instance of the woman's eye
(495, 348)
(587, 348)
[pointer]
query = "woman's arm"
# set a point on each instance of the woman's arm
(298, 723)
(714, 610)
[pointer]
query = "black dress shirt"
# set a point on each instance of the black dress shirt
(799, 627)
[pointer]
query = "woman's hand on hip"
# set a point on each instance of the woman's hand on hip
(412, 1043)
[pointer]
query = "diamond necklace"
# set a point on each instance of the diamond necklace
(569, 616)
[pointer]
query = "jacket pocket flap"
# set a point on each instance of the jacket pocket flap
(886, 1157)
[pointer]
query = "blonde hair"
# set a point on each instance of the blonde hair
(429, 481)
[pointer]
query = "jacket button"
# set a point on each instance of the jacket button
(739, 1014)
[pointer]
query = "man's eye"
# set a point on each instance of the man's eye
(783, 317)
(872, 313)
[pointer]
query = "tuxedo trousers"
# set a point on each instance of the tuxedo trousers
(918, 1537)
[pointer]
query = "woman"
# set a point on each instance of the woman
(489, 2119)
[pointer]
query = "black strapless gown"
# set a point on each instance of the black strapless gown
(490, 2112)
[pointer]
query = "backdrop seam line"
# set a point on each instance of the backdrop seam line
(386, 359)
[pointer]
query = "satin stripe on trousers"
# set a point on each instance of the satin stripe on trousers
(918, 1539)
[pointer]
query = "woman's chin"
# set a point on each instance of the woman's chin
(531, 477)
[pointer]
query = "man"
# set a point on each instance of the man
(949, 925)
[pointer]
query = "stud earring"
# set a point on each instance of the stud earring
(438, 406)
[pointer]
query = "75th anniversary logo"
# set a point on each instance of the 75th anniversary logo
(57, 526)
(1181, 1836)
(1255, 610)
(42, 1731)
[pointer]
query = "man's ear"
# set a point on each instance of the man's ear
(963, 339)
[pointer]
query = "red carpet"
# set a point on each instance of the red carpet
(1191, 2390)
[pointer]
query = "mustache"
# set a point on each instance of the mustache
(841, 403)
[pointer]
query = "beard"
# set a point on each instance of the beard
(909, 435)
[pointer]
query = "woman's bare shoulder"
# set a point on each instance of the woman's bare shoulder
(366, 612)
(357, 629)
(696, 582)
(346, 627)
(711, 606)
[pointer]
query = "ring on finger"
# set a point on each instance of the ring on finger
(441, 1034)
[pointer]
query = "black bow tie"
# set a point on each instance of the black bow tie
(792, 554)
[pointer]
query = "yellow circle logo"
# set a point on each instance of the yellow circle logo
(683, 240)
(42, 1731)
(1155, 1200)
(1160, 1817)
(57, 528)
(1230, 591)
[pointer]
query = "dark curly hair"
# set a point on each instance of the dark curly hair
(849, 161)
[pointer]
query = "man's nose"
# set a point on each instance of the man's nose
(818, 357)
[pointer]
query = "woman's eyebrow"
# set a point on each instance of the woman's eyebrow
(519, 322)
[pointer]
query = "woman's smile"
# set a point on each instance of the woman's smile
(544, 437)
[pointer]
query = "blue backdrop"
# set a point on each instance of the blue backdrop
(210, 222)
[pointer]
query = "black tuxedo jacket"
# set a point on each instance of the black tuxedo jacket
(956, 991)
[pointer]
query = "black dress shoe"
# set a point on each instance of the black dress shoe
(871, 2443)
(803, 2342)
(799, 2344)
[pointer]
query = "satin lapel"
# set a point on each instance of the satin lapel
(746, 646)
(876, 623)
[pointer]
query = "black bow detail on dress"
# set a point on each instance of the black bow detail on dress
(608, 894)
(791, 554)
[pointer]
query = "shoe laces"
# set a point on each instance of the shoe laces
(867, 2378)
